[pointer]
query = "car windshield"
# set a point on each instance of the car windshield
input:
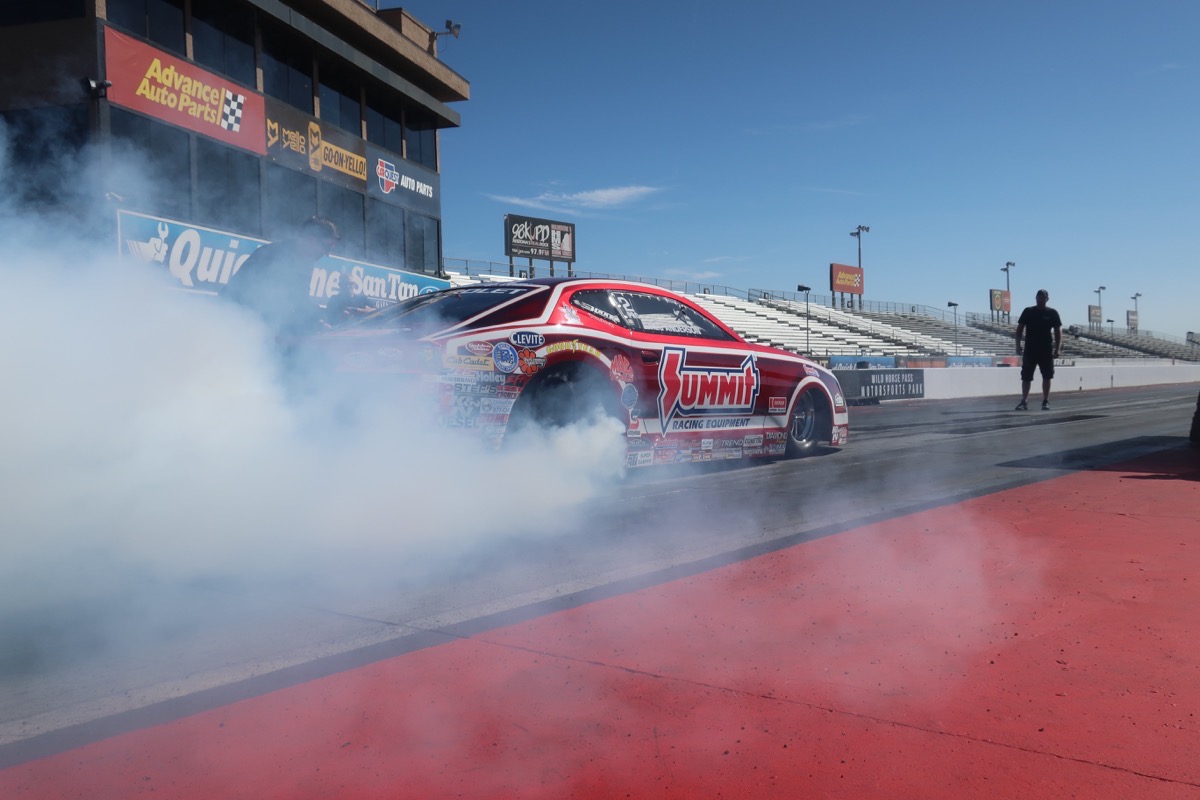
(447, 308)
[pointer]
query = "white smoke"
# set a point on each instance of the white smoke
(150, 435)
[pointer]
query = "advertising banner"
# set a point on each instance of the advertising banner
(1000, 300)
(177, 91)
(882, 384)
(843, 278)
(1131, 320)
(1094, 315)
(202, 260)
(539, 238)
(301, 142)
(402, 183)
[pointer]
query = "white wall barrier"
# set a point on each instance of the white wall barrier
(989, 381)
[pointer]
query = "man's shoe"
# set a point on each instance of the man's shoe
(1045, 405)
(1022, 406)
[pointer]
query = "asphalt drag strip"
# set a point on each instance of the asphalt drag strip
(1035, 642)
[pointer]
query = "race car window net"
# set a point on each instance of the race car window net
(649, 313)
(445, 309)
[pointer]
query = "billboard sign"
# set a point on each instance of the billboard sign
(844, 278)
(304, 143)
(177, 91)
(1131, 320)
(1000, 300)
(882, 384)
(1094, 317)
(539, 238)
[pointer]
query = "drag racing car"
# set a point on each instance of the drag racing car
(500, 356)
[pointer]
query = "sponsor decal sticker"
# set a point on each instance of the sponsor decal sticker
(641, 458)
(479, 348)
(496, 406)
(621, 369)
(688, 391)
(505, 356)
(468, 362)
(529, 362)
(573, 346)
(527, 339)
(629, 395)
(777, 405)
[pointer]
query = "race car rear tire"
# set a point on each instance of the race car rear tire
(805, 424)
(564, 396)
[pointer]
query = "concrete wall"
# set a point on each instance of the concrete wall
(989, 381)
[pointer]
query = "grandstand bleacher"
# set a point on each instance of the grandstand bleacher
(815, 327)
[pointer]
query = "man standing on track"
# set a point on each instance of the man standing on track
(1043, 343)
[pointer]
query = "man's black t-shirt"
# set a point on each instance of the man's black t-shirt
(1039, 328)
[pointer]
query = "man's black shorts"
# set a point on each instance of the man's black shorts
(1039, 360)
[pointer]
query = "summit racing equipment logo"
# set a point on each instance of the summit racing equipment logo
(388, 176)
(704, 391)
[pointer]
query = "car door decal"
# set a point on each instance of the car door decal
(699, 398)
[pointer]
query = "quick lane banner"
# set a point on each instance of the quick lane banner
(203, 260)
(175, 90)
(304, 143)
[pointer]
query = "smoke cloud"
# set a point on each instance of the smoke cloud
(154, 439)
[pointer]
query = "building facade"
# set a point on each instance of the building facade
(239, 118)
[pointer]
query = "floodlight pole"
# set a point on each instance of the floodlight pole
(954, 305)
(857, 234)
(1008, 288)
(807, 320)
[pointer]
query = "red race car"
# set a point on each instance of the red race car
(556, 351)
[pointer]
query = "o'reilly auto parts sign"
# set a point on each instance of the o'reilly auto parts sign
(539, 238)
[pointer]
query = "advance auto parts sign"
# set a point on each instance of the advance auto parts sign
(175, 90)
(296, 140)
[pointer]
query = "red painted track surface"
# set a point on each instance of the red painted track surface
(1036, 643)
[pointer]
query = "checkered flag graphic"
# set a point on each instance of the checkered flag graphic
(231, 114)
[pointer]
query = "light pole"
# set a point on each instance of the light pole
(807, 323)
(954, 305)
(1137, 322)
(1100, 300)
(857, 234)
(1112, 339)
(1008, 288)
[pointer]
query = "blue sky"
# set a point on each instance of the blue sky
(739, 144)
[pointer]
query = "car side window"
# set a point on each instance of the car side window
(653, 313)
(599, 303)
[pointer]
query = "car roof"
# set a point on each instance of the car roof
(578, 280)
